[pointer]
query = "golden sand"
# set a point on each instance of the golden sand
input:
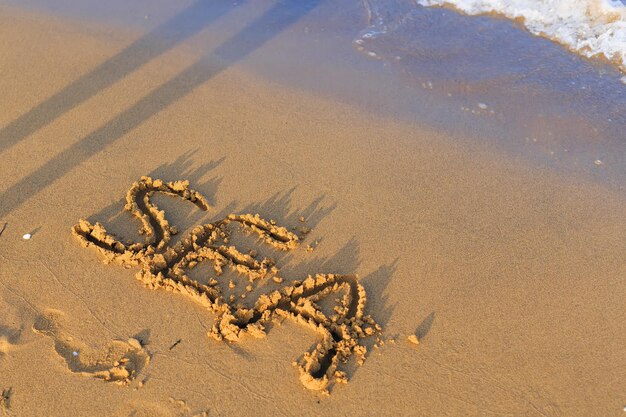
(509, 273)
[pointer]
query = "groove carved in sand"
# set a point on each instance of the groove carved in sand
(166, 267)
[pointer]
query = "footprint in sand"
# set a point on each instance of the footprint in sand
(118, 361)
(10, 338)
(341, 323)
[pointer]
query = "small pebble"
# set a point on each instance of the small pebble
(27, 236)
(413, 339)
(597, 162)
(75, 353)
(482, 106)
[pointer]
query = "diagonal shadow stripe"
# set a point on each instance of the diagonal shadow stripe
(158, 41)
(253, 36)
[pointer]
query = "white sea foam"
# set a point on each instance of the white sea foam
(588, 27)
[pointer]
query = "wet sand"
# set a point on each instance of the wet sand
(507, 266)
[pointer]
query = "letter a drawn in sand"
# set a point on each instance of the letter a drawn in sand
(166, 267)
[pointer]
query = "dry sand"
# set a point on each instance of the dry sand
(509, 275)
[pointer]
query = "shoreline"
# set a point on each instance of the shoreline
(548, 119)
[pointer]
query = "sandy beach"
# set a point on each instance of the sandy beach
(488, 227)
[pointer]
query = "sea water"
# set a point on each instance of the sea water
(588, 27)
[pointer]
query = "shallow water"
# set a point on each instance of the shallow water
(571, 107)
(587, 27)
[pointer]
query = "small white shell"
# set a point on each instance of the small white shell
(27, 236)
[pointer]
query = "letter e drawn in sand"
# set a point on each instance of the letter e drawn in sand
(162, 266)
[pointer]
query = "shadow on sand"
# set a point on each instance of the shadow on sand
(253, 36)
